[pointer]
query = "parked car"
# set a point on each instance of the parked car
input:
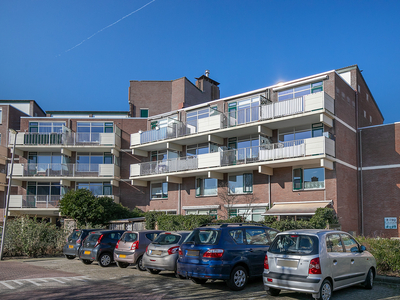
(99, 246)
(163, 252)
(132, 246)
(317, 262)
(231, 252)
(74, 241)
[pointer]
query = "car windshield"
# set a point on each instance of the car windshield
(294, 243)
(75, 235)
(203, 237)
(129, 237)
(167, 239)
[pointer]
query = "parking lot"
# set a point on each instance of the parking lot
(59, 278)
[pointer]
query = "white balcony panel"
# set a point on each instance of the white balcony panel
(330, 147)
(319, 100)
(15, 201)
(108, 170)
(210, 123)
(283, 152)
(107, 138)
(135, 139)
(135, 170)
(329, 103)
(18, 170)
(209, 160)
(315, 145)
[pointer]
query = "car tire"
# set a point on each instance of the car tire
(153, 271)
(122, 265)
(139, 264)
(369, 281)
(179, 276)
(199, 280)
(105, 260)
(70, 256)
(325, 291)
(87, 261)
(238, 279)
(273, 292)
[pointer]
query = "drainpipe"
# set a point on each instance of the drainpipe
(269, 192)
(361, 187)
(179, 200)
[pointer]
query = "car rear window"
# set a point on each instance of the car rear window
(93, 237)
(75, 235)
(129, 237)
(151, 236)
(294, 244)
(167, 239)
(204, 237)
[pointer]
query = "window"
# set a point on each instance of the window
(193, 116)
(308, 179)
(317, 129)
(241, 183)
(370, 120)
(206, 186)
(159, 190)
(97, 188)
(333, 243)
(203, 148)
(256, 237)
(43, 194)
(89, 162)
(349, 243)
(144, 112)
(248, 213)
(367, 97)
(237, 235)
(90, 131)
(204, 212)
(46, 127)
(1, 116)
(365, 114)
(295, 133)
(300, 91)
(46, 162)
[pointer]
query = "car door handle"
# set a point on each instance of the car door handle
(334, 262)
(352, 261)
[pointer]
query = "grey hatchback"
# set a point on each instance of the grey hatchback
(132, 245)
(74, 242)
(316, 262)
(162, 254)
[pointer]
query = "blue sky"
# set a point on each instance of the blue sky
(245, 44)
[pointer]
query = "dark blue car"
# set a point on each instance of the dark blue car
(230, 252)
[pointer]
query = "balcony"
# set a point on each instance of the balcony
(36, 171)
(311, 106)
(275, 155)
(31, 141)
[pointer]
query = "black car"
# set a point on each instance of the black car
(99, 246)
(74, 241)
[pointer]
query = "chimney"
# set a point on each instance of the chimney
(208, 86)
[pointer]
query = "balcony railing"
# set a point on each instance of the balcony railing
(270, 152)
(33, 201)
(65, 170)
(66, 139)
(219, 120)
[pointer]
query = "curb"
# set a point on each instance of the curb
(387, 279)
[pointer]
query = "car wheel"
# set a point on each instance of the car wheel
(105, 260)
(273, 292)
(153, 271)
(139, 264)
(122, 265)
(87, 261)
(70, 256)
(238, 279)
(325, 291)
(369, 281)
(199, 280)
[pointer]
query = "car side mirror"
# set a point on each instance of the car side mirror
(355, 249)
(363, 248)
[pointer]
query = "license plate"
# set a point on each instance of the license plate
(122, 256)
(71, 246)
(156, 252)
(86, 252)
(192, 253)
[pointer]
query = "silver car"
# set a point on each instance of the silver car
(317, 262)
(162, 254)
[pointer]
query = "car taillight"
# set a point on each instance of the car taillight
(180, 251)
(173, 250)
(116, 246)
(266, 265)
(147, 248)
(79, 241)
(314, 267)
(135, 245)
(214, 253)
(98, 240)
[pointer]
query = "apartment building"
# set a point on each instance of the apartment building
(282, 150)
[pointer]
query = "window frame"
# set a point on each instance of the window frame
(144, 111)
(245, 190)
(162, 190)
(302, 178)
(200, 187)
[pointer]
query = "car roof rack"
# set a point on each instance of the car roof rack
(235, 224)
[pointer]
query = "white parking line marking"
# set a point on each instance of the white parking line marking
(67, 278)
(57, 280)
(18, 282)
(35, 283)
(7, 285)
(41, 279)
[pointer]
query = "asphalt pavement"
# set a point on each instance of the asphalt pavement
(59, 278)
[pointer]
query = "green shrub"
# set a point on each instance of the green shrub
(30, 237)
(385, 251)
(151, 219)
(180, 222)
